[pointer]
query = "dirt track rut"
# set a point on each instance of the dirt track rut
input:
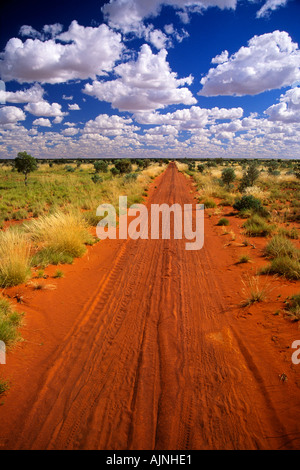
(152, 362)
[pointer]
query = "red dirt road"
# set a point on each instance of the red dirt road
(154, 360)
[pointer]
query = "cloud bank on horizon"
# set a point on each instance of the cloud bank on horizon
(127, 92)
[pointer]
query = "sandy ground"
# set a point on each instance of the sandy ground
(143, 345)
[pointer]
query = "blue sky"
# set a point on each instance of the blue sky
(129, 78)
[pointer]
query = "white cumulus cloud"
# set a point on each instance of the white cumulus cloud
(73, 107)
(11, 115)
(109, 125)
(144, 85)
(220, 59)
(190, 118)
(288, 110)
(42, 122)
(70, 132)
(270, 61)
(45, 109)
(30, 95)
(127, 15)
(83, 52)
(51, 30)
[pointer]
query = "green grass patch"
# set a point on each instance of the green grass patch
(244, 259)
(47, 256)
(281, 246)
(208, 203)
(4, 386)
(292, 234)
(293, 307)
(256, 226)
(283, 266)
(10, 320)
(223, 221)
(58, 274)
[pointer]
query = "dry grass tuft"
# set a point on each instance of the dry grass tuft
(61, 233)
(254, 291)
(14, 258)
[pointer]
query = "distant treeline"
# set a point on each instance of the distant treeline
(209, 161)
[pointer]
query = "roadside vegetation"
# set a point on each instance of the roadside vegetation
(10, 320)
(48, 215)
(49, 220)
(262, 199)
(293, 307)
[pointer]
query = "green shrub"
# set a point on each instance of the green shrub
(256, 226)
(123, 165)
(228, 176)
(115, 171)
(101, 165)
(48, 256)
(248, 202)
(10, 320)
(281, 246)
(284, 266)
(91, 218)
(69, 169)
(250, 176)
(97, 179)
(4, 386)
(20, 215)
(244, 259)
(58, 274)
(130, 177)
(223, 221)
(293, 233)
(209, 203)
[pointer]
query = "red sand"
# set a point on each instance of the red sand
(143, 346)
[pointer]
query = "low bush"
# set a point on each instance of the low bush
(4, 386)
(283, 266)
(223, 221)
(97, 179)
(58, 274)
(292, 234)
(209, 203)
(256, 226)
(19, 215)
(130, 177)
(244, 259)
(10, 320)
(91, 218)
(47, 256)
(281, 246)
(248, 202)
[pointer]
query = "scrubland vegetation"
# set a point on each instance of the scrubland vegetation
(265, 195)
(56, 209)
(48, 218)
(47, 215)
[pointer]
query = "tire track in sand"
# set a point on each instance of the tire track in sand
(152, 362)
